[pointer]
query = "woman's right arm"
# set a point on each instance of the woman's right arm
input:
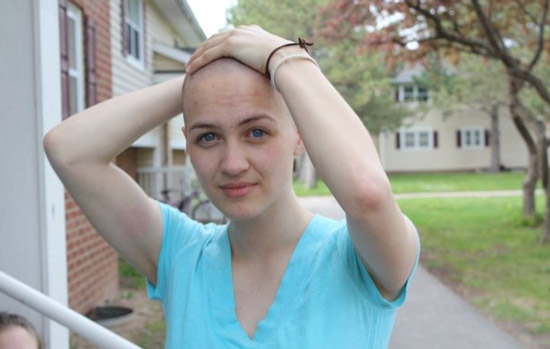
(81, 149)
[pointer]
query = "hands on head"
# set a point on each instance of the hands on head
(251, 45)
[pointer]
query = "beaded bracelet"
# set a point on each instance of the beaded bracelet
(301, 42)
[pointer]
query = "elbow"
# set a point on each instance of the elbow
(370, 195)
(53, 147)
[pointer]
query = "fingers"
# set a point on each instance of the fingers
(215, 40)
(248, 44)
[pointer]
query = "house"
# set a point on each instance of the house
(58, 57)
(432, 142)
(136, 43)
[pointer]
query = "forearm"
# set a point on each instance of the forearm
(338, 143)
(101, 132)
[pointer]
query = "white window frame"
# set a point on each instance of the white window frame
(415, 97)
(138, 27)
(472, 129)
(75, 14)
(416, 132)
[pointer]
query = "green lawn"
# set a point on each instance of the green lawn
(485, 245)
(436, 182)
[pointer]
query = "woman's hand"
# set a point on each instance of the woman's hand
(251, 45)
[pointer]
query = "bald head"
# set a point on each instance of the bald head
(214, 77)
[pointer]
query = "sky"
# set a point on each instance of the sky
(210, 14)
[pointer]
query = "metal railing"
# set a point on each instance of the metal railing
(63, 315)
(155, 181)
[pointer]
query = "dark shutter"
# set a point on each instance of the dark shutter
(123, 26)
(458, 139)
(435, 139)
(91, 81)
(64, 55)
(487, 138)
(397, 93)
(397, 140)
(143, 36)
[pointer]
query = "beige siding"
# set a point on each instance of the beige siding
(127, 77)
(177, 139)
(447, 156)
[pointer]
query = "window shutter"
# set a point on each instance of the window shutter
(487, 138)
(91, 81)
(458, 139)
(123, 26)
(397, 93)
(397, 140)
(143, 35)
(64, 55)
(435, 139)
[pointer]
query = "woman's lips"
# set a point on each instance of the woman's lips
(237, 190)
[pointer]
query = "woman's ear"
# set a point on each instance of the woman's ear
(299, 148)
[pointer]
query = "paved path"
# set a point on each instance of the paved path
(433, 315)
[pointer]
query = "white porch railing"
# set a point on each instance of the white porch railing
(62, 314)
(155, 180)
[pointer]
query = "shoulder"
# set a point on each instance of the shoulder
(179, 229)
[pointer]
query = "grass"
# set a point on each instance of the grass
(129, 276)
(485, 245)
(436, 182)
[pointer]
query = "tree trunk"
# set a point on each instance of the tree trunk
(545, 238)
(495, 140)
(532, 173)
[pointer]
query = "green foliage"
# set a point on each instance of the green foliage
(360, 77)
(482, 244)
(473, 82)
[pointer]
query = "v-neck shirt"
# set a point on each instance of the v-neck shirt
(326, 298)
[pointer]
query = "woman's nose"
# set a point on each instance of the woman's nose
(234, 160)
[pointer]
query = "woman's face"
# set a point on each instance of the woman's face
(241, 141)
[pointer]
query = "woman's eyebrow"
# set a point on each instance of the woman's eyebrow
(203, 125)
(258, 117)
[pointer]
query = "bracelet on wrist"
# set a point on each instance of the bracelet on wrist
(301, 42)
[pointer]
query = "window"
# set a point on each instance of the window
(75, 59)
(133, 31)
(418, 138)
(472, 138)
(412, 93)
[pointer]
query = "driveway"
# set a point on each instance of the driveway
(433, 315)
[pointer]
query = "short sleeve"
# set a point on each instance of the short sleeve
(178, 230)
(362, 277)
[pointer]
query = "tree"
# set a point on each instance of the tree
(472, 83)
(360, 77)
(511, 32)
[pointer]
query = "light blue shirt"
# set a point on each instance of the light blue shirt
(326, 298)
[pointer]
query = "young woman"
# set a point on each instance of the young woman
(276, 276)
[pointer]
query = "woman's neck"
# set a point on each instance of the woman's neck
(278, 228)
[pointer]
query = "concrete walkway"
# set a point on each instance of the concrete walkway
(433, 315)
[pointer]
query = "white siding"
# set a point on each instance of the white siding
(127, 77)
(447, 156)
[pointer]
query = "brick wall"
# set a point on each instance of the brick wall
(92, 263)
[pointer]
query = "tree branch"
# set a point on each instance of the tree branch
(540, 43)
(527, 13)
(443, 34)
(495, 40)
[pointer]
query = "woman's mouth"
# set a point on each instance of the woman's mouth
(237, 189)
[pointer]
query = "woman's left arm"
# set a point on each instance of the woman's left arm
(340, 147)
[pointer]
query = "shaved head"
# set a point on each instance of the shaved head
(230, 68)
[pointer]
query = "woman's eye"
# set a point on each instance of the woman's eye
(257, 133)
(207, 137)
